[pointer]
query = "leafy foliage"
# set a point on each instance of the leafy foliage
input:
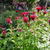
(20, 35)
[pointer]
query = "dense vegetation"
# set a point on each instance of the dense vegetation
(25, 29)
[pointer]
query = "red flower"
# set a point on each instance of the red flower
(25, 19)
(24, 13)
(43, 7)
(45, 12)
(49, 21)
(2, 26)
(38, 8)
(8, 20)
(17, 11)
(33, 12)
(16, 18)
(4, 32)
(33, 17)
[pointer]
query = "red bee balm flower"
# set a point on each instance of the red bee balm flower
(38, 8)
(43, 7)
(33, 17)
(17, 11)
(4, 32)
(25, 19)
(24, 13)
(45, 12)
(17, 18)
(33, 12)
(49, 22)
(8, 20)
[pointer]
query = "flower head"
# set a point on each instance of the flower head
(38, 8)
(8, 20)
(49, 21)
(4, 32)
(25, 19)
(16, 18)
(43, 7)
(17, 11)
(33, 17)
(24, 13)
(33, 12)
(45, 12)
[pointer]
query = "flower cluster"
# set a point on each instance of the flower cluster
(25, 16)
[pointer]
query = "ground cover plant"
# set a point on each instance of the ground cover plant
(25, 30)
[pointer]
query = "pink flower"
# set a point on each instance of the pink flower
(16, 18)
(25, 19)
(33, 17)
(43, 7)
(45, 12)
(8, 20)
(24, 13)
(38, 8)
(4, 32)
(49, 21)
(33, 12)
(17, 11)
